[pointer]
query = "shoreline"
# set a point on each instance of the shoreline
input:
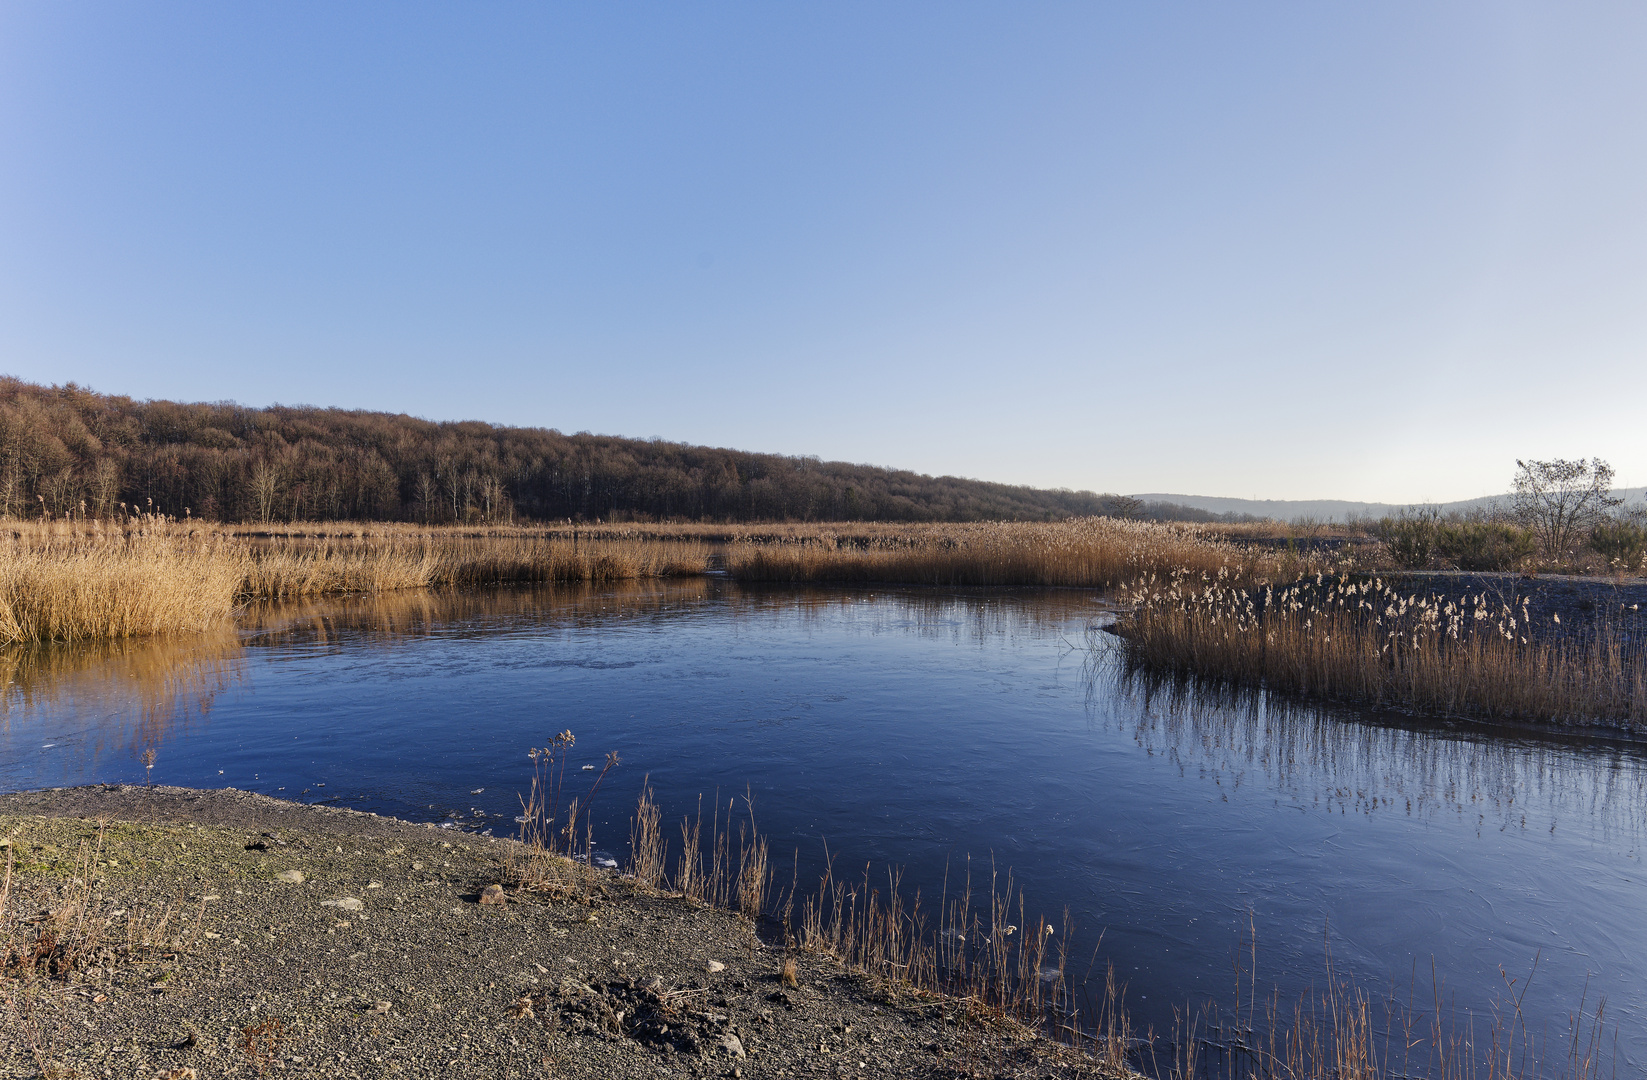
(381, 961)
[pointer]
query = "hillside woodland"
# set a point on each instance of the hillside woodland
(67, 450)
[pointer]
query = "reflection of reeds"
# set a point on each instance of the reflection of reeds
(1361, 640)
(1345, 759)
(140, 688)
(1338, 1032)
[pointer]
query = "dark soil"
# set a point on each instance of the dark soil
(382, 962)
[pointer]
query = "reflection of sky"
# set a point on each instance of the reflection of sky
(916, 728)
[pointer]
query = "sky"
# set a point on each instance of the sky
(1359, 251)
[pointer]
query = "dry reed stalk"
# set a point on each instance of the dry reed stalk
(547, 858)
(1338, 1033)
(646, 842)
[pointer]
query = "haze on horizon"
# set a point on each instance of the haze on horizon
(1271, 251)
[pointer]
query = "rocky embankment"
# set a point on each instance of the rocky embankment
(177, 934)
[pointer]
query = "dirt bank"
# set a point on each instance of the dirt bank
(231, 934)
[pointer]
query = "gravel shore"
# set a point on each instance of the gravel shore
(314, 941)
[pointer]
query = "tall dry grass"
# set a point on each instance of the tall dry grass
(978, 945)
(64, 584)
(1366, 641)
(1083, 553)
(296, 567)
(68, 580)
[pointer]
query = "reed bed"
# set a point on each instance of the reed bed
(146, 574)
(1366, 641)
(289, 568)
(61, 585)
(68, 580)
(1082, 553)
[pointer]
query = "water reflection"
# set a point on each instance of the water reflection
(95, 700)
(1355, 761)
(976, 616)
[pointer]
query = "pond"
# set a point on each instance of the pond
(1189, 836)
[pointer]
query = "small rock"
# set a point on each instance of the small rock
(380, 1007)
(714, 966)
(731, 1044)
(492, 895)
(348, 903)
(417, 866)
(294, 877)
(571, 988)
(374, 884)
(180, 1073)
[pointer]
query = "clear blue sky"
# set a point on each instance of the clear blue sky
(1370, 251)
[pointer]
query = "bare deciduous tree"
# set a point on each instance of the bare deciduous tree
(265, 488)
(1122, 506)
(1560, 499)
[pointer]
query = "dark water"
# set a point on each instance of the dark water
(916, 728)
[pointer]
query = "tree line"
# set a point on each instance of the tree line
(69, 450)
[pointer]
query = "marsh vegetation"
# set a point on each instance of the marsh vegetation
(1363, 639)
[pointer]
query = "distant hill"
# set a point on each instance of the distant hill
(67, 449)
(1332, 509)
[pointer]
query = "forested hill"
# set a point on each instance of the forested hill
(64, 449)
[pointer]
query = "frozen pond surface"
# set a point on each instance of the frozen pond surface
(916, 727)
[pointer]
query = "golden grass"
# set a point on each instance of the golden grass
(61, 585)
(1364, 641)
(65, 581)
(287, 568)
(1082, 553)
(68, 580)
